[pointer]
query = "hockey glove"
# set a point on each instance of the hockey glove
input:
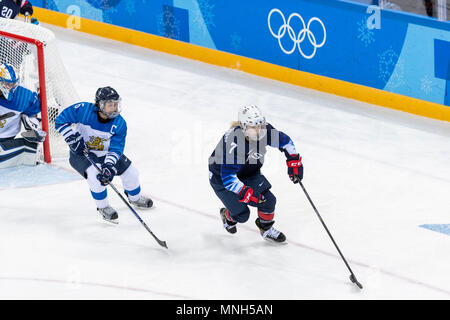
(295, 168)
(247, 196)
(27, 9)
(108, 173)
(76, 143)
(34, 136)
(34, 21)
(33, 133)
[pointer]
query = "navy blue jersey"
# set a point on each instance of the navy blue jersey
(101, 137)
(9, 9)
(236, 157)
(23, 101)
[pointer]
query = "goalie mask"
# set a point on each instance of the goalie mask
(252, 122)
(108, 102)
(8, 80)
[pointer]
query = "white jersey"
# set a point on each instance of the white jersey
(23, 101)
(101, 137)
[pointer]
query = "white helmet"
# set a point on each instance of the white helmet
(252, 122)
(8, 80)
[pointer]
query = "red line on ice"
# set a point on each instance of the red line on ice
(412, 281)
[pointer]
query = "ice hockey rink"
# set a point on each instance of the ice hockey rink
(379, 178)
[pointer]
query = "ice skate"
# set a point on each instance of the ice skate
(270, 233)
(142, 202)
(109, 214)
(230, 226)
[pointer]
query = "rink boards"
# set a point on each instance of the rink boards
(390, 59)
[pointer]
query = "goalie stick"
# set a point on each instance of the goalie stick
(7, 115)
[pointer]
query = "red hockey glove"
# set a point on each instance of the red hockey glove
(295, 168)
(247, 196)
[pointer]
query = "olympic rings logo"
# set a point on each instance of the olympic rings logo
(300, 37)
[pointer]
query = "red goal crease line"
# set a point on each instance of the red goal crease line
(42, 90)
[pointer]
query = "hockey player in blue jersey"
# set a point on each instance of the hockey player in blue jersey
(235, 171)
(101, 129)
(18, 105)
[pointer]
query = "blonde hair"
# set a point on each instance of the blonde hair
(234, 124)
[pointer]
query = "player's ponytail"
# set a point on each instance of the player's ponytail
(234, 124)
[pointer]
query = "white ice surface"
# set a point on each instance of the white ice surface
(374, 174)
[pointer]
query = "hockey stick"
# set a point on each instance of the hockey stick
(161, 243)
(352, 275)
(7, 115)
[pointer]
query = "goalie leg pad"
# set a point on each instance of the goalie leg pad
(16, 152)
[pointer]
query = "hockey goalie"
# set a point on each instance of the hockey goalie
(18, 106)
(35, 88)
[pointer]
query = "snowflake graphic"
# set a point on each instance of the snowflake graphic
(366, 35)
(130, 7)
(167, 25)
(236, 41)
(109, 14)
(426, 84)
(389, 60)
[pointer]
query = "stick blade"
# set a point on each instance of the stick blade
(163, 244)
(355, 281)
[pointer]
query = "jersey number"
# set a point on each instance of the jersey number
(6, 12)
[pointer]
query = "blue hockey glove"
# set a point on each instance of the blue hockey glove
(108, 173)
(34, 21)
(76, 143)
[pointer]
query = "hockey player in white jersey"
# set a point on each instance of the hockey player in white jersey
(18, 105)
(101, 130)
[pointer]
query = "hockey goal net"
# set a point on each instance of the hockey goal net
(32, 50)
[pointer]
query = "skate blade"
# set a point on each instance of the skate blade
(143, 208)
(111, 221)
(231, 231)
(276, 243)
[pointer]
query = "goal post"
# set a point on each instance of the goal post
(32, 50)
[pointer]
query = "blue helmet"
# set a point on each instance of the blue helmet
(9, 80)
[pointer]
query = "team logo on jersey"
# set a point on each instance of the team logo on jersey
(255, 155)
(2, 123)
(96, 143)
